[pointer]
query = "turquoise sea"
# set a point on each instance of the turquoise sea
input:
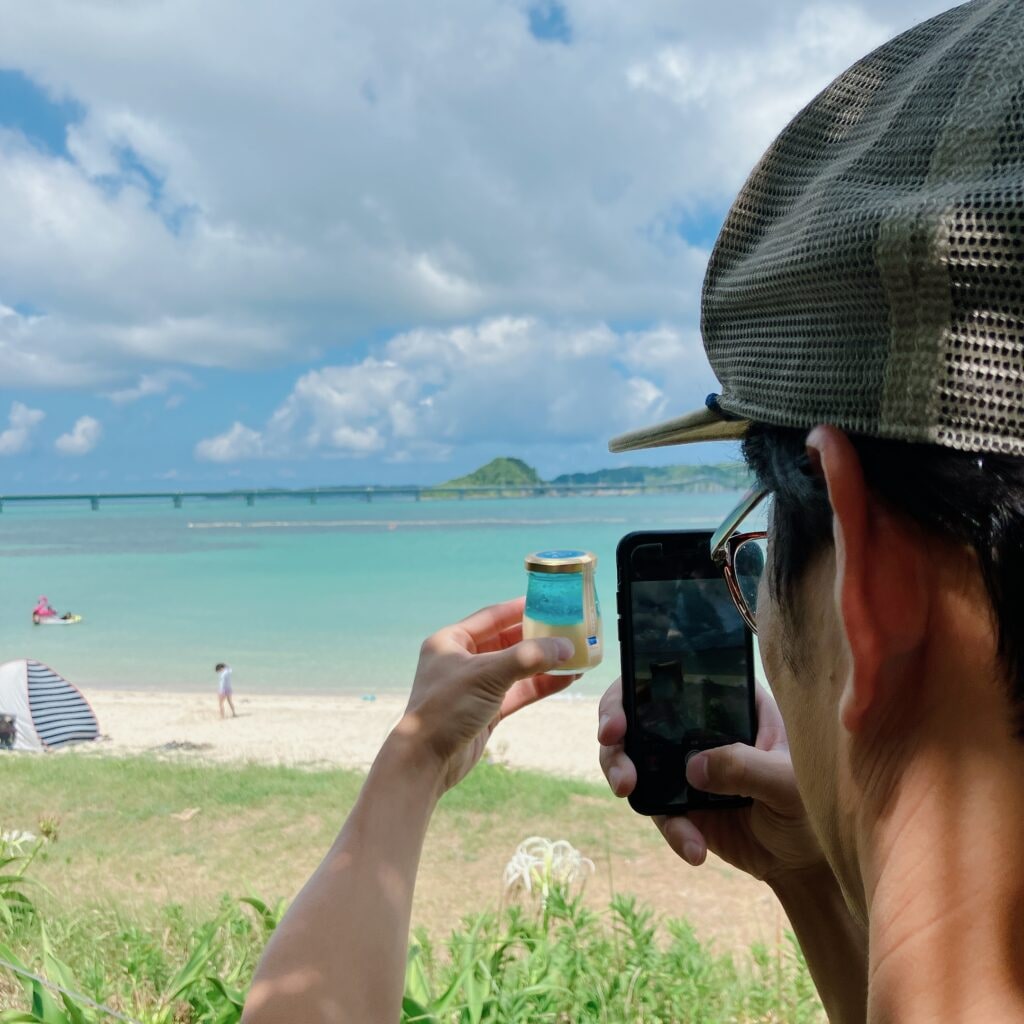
(298, 598)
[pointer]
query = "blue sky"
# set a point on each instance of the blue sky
(347, 243)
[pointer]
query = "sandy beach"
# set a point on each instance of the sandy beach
(556, 736)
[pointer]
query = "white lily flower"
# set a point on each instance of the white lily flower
(14, 840)
(540, 864)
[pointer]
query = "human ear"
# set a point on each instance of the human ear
(878, 591)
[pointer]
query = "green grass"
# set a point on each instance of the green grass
(129, 892)
(254, 827)
(555, 961)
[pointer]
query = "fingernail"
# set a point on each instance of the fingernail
(566, 648)
(614, 778)
(697, 771)
(693, 854)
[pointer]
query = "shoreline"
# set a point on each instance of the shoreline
(557, 737)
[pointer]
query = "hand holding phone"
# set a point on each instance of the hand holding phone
(768, 840)
(687, 667)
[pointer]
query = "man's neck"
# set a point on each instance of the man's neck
(944, 872)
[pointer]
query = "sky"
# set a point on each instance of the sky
(337, 242)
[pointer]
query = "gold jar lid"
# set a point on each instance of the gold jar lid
(560, 561)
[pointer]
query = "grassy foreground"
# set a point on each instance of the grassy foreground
(138, 900)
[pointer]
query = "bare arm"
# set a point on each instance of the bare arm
(339, 954)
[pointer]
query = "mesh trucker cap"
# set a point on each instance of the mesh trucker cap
(870, 274)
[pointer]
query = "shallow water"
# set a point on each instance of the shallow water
(333, 597)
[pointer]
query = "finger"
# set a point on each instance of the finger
(523, 660)
(506, 638)
(741, 770)
(611, 719)
(529, 691)
(771, 731)
(611, 727)
(490, 621)
(618, 769)
(510, 636)
(684, 837)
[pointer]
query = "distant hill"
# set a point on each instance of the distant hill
(508, 474)
(732, 476)
(500, 472)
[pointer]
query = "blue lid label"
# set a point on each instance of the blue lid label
(560, 554)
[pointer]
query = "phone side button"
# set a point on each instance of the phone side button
(620, 630)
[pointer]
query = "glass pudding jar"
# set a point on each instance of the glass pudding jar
(561, 601)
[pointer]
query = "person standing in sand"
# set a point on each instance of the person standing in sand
(224, 690)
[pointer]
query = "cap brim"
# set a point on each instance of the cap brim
(701, 425)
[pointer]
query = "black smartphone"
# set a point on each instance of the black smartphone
(687, 666)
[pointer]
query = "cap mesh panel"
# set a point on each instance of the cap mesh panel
(871, 271)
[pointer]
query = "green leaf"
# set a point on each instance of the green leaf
(225, 1002)
(197, 965)
(59, 972)
(415, 1013)
(417, 987)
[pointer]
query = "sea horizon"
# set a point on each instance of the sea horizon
(334, 597)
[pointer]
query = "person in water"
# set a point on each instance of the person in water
(44, 610)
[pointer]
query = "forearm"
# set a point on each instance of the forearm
(833, 944)
(339, 954)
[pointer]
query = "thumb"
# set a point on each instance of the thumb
(742, 770)
(524, 659)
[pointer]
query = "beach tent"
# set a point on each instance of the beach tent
(49, 712)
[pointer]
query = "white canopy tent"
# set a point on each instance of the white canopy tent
(49, 712)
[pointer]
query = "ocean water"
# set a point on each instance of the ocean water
(335, 597)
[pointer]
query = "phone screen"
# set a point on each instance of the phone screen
(687, 665)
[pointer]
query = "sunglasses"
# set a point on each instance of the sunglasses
(742, 555)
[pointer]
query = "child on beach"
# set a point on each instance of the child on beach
(224, 691)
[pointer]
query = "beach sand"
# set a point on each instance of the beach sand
(556, 736)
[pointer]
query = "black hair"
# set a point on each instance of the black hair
(963, 497)
(219, 666)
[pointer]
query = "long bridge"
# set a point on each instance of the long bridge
(315, 494)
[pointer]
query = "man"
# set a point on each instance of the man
(224, 691)
(864, 311)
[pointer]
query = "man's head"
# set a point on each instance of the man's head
(219, 667)
(864, 312)
(891, 610)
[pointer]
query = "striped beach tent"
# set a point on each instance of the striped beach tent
(49, 712)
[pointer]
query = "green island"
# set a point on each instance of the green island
(515, 478)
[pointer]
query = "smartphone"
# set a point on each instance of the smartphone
(687, 666)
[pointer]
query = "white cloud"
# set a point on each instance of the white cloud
(328, 166)
(232, 446)
(21, 422)
(514, 381)
(158, 383)
(81, 439)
